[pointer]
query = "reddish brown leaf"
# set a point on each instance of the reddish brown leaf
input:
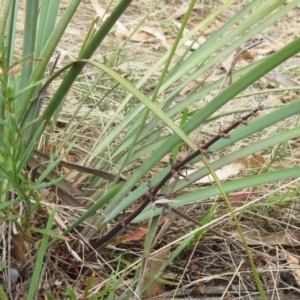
(258, 258)
(257, 160)
(19, 251)
(201, 288)
(243, 196)
(154, 266)
(140, 232)
(245, 54)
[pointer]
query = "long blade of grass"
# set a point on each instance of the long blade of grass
(48, 16)
(39, 263)
(238, 184)
(11, 31)
(31, 20)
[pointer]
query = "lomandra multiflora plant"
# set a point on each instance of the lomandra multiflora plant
(27, 121)
(176, 169)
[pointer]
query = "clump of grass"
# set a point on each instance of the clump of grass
(149, 129)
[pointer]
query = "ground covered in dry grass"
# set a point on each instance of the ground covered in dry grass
(214, 267)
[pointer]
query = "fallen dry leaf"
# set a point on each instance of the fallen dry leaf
(63, 189)
(294, 265)
(20, 248)
(244, 54)
(156, 32)
(144, 34)
(281, 79)
(243, 196)
(257, 160)
(138, 233)
(233, 62)
(58, 220)
(255, 237)
(152, 18)
(227, 296)
(223, 174)
(154, 267)
(124, 33)
(258, 258)
(201, 288)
